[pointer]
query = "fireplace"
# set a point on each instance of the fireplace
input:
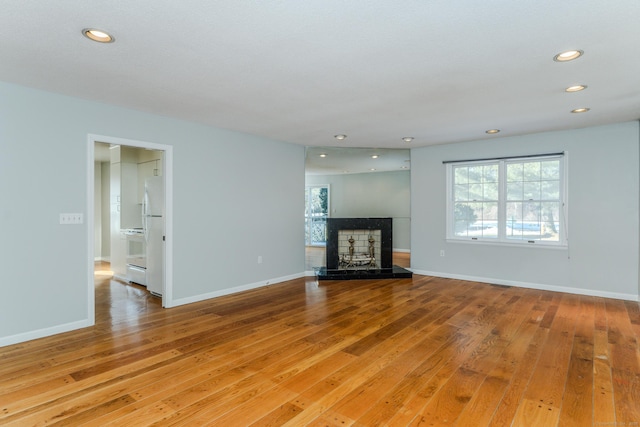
(366, 237)
(361, 228)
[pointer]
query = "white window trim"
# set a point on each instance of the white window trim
(563, 242)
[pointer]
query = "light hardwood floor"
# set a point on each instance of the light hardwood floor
(421, 351)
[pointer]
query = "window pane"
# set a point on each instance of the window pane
(549, 190)
(532, 171)
(531, 211)
(306, 201)
(491, 191)
(475, 192)
(460, 228)
(514, 172)
(490, 212)
(466, 212)
(461, 193)
(475, 174)
(551, 221)
(464, 217)
(550, 169)
(532, 190)
(524, 221)
(461, 175)
(514, 220)
(489, 220)
(316, 213)
(490, 173)
(515, 191)
(514, 211)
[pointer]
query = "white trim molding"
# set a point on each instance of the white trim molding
(46, 332)
(236, 289)
(529, 285)
(167, 158)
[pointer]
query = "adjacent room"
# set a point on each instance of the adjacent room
(328, 213)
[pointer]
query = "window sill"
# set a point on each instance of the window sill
(536, 245)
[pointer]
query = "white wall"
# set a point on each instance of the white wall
(97, 188)
(372, 195)
(603, 214)
(105, 214)
(236, 197)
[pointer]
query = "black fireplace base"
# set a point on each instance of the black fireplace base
(322, 273)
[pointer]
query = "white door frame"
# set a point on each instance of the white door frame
(167, 174)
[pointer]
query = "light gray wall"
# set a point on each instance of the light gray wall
(364, 195)
(603, 200)
(236, 197)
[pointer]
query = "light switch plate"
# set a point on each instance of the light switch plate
(71, 218)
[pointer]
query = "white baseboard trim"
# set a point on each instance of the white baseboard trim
(234, 290)
(542, 287)
(406, 251)
(46, 332)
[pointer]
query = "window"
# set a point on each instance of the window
(511, 200)
(316, 211)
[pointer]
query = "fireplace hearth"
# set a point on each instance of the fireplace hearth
(360, 248)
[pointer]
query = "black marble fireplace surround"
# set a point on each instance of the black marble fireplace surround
(384, 260)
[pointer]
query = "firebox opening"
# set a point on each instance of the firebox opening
(359, 249)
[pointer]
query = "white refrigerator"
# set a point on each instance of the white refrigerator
(153, 227)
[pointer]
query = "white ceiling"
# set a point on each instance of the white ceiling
(347, 160)
(441, 71)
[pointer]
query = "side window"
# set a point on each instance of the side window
(316, 212)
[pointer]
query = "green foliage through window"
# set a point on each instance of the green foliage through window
(514, 200)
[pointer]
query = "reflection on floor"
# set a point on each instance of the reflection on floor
(119, 302)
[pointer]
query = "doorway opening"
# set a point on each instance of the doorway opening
(120, 248)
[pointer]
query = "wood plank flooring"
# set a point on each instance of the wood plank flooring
(409, 352)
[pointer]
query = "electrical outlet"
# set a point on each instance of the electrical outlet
(259, 259)
(441, 252)
(71, 218)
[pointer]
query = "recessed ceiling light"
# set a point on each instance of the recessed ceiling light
(576, 88)
(323, 155)
(375, 156)
(407, 139)
(404, 167)
(340, 137)
(98, 35)
(372, 169)
(580, 110)
(492, 131)
(569, 55)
